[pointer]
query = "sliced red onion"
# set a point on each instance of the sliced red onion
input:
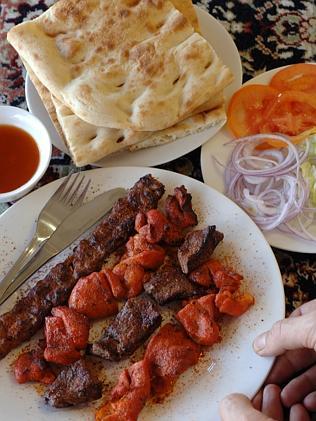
(269, 185)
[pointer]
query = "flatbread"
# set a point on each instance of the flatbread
(191, 125)
(88, 143)
(187, 9)
(47, 101)
(130, 64)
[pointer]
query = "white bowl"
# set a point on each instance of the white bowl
(33, 126)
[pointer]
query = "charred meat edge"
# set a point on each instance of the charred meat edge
(136, 321)
(74, 385)
(170, 284)
(28, 314)
(197, 248)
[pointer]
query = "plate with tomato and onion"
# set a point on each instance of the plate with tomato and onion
(265, 157)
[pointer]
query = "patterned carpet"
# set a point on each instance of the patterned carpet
(267, 34)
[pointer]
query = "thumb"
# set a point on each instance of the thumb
(238, 407)
(292, 333)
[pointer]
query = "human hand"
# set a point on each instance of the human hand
(239, 407)
(294, 339)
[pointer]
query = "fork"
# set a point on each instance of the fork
(63, 202)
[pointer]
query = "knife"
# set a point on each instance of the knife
(67, 232)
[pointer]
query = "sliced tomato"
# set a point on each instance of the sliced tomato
(246, 108)
(291, 113)
(299, 77)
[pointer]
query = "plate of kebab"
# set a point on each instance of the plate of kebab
(151, 315)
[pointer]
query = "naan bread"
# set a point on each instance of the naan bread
(127, 64)
(187, 9)
(191, 125)
(88, 143)
(47, 101)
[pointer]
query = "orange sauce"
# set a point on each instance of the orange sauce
(19, 157)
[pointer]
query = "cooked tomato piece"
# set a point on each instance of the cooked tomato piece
(64, 355)
(208, 303)
(77, 325)
(298, 77)
(137, 244)
(229, 280)
(140, 221)
(154, 230)
(31, 367)
(202, 276)
(106, 413)
(92, 297)
(135, 377)
(133, 278)
(116, 284)
(131, 274)
(233, 304)
(214, 266)
(158, 228)
(148, 259)
(60, 347)
(291, 113)
(129, 395)
(246, 107)
(129, 247)
(197, 318)
(121, 267)
(169, 353)
(179, 208)
(224, 277)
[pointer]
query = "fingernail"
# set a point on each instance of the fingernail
(260, 342)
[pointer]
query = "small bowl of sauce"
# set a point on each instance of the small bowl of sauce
(25, 152)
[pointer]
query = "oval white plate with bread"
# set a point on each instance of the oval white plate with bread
(215, 33)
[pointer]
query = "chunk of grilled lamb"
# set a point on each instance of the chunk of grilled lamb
(197, 248)
(135, 322)
(74, 385)
(170, 284)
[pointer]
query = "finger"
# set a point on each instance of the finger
(238, 407)
(299, 413)
(290, 363)
(271, 402)
(257, 400)
(310, 402)
(304, 308)
(296, 390)
(292, 333)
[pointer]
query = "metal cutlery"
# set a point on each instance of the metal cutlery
(67, 232)
(67, 198)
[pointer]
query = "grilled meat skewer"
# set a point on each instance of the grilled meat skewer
(28, 314)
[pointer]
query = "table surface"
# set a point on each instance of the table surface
(267, 34)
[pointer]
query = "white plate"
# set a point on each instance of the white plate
(213, 176)
(224, 46)
(236, 367)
